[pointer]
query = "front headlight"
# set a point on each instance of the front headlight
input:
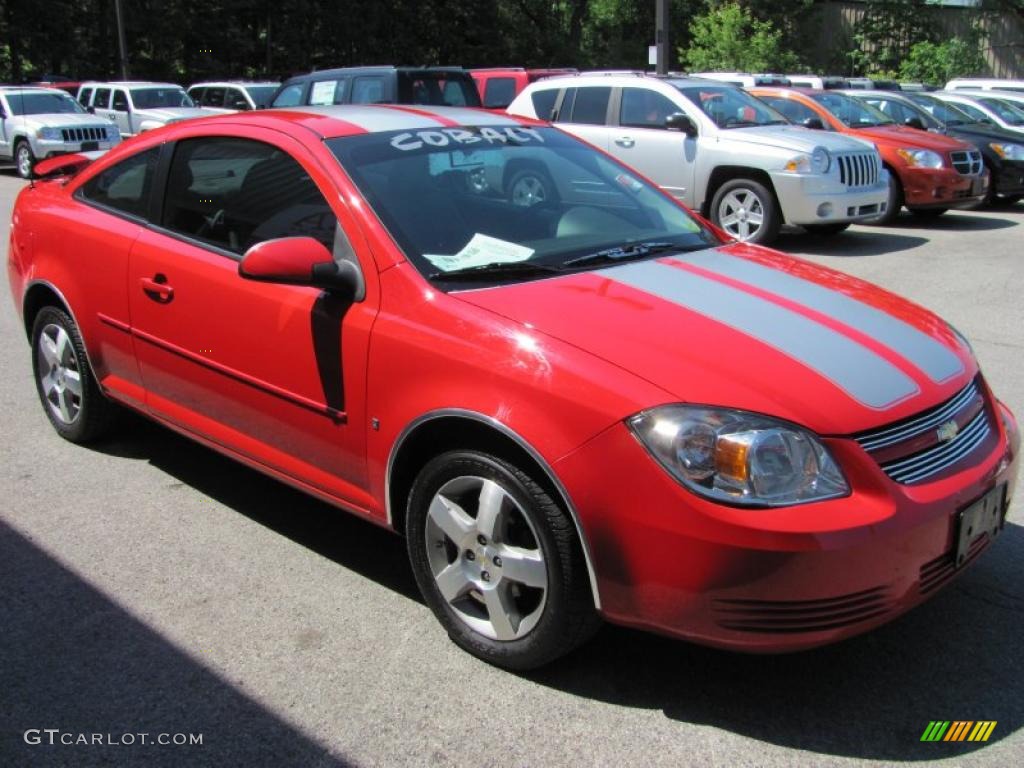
(739, 457)
(817, 162)
(113, 132)
(49, 134)
(1008, 151)
(920, 158)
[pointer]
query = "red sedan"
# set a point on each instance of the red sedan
(595, 407)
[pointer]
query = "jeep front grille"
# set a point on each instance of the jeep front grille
(83, 134)
(858, 169)
(967, 163)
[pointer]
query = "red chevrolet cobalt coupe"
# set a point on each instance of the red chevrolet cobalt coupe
(594, 406)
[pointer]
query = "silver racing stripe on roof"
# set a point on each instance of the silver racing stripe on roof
(932, 357)
(374, 119)
(863, 374)
(464, 115)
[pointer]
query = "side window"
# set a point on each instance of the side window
(793, 111)
(499, 92)
(120, 103)
(643, 108)
(85, 96)
(214, 97)
(544, 102)
(235, 99)
(233, 193)
(102, 100)
(125, 186)
(322, 92)
(591, 105)
(974, 112)
(290, 96)
(196, 94)
(368, 90)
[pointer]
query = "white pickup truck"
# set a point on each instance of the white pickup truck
(718, 149)
(136, 106)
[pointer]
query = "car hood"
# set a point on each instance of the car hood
(62, 120)
(796, 137)
(745, 327)
(982, 131)
(168, 114)
(911, 137)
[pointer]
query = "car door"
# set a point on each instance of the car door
(273, 372)
(6, 150)
(642, 141)
(101, 105)
(121, 110)
(584, 112)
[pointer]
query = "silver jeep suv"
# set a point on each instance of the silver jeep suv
(718, 149)
(37, 123)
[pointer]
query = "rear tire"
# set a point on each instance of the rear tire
(747, 211)
(498, 561)
(71, 398)
(893, 205)
(827, 229)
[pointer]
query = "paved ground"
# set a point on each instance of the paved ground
(150, 586)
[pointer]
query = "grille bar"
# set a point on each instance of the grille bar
(967, 163)
(857, 170)
(934, 460)
(901, 432)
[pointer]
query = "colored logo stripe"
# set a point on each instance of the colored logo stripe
(860, 372)
(958, 730)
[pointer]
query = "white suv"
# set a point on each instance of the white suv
(136, 106)
(233, 96)
(718, 149)
(37, 123)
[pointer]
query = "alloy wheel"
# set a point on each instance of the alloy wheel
(60, 375)
(741, 214)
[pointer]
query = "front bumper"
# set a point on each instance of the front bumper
(770, 580)
(941, 188)
(1008, 178)
(44, 149)
(810, 199)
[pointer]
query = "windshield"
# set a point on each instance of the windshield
(1007, 112)
(731, 107)
(261, 94)
(852, 113)
(45, 103)
(949, 114)
(510, 202)
(155, 98)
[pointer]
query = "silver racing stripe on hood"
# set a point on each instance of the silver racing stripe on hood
(863, 374)
(926, 353)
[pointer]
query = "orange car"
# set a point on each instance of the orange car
(928, 173)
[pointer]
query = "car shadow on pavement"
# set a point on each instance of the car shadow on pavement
(957, 657)
(76, 661)
(953, 221)
(852, 242)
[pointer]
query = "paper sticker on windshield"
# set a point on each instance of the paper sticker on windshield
(479, 251)
(627, 181)
(322, 93)
(454, 137)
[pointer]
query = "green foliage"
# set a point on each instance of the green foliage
(729, 37)
(885, 33)
(930, 62)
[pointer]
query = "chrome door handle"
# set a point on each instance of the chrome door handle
(625, 141)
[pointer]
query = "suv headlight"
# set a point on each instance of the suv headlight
(1008, 151)
(113, 132)
(49, 134)
(817, 162)
(920, 158)
(739, 457)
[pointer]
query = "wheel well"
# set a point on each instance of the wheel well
(449, 433)
(39, 296)
(724, 173)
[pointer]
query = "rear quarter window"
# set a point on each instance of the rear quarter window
(544, 102)
(499, 92)
(124, 187)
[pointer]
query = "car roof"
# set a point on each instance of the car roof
(339, 120)
(240, 83)
(879, 92)
(129, 83)
(14, 88)
(378, 68)
(629, 76)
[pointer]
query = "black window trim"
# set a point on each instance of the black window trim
(79, 193)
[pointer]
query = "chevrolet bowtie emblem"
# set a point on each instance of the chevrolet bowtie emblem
(947, 431)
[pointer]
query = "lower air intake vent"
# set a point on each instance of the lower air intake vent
(791, 616)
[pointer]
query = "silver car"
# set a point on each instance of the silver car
(716, 148)
(136, 106)
(37, 123)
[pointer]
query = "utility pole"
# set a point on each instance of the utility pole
(661, 35)
(122, 48)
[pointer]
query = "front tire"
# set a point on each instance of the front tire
(893, 204)
(747, 211)
(24, 160)
(71, 398)
(498, 561)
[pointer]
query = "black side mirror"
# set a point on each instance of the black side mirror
(677, 121)
(914, 122)
(814, 123)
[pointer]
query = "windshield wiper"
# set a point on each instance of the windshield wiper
(742, 124)
(496, 269)
(625, 253)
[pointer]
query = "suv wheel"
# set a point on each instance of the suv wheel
(497, 561)
(24, 159)
(746, 210)
(893, 204)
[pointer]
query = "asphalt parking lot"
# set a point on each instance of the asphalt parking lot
(151, 586)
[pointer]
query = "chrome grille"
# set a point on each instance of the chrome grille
(858, 169)
(967, 163)
(83, 134)
(892, 435)
(934, 460)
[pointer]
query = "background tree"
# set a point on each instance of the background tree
(938, 63)
(728, 37)
(885, 33)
